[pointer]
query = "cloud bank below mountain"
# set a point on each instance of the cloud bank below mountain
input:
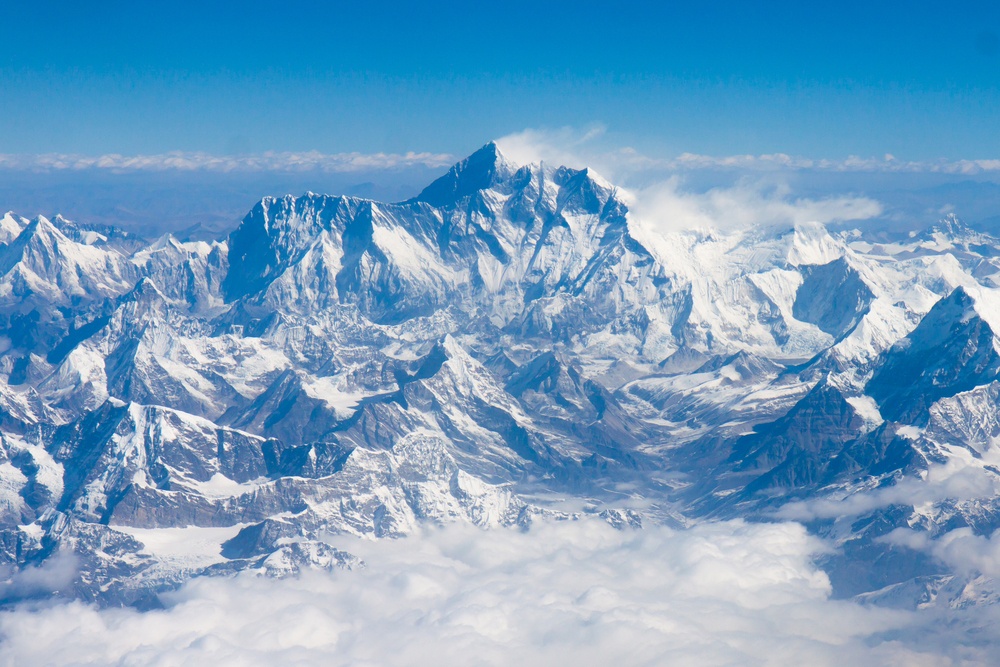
(562, 593)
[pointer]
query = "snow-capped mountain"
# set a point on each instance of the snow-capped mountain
(505, 342)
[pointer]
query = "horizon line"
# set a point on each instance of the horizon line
(627, 159)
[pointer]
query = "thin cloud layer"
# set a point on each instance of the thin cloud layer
(575, 593)
(574, 147)
(566, 146)
(265, 162)
(781, 161)
(960, 549)
(950, 481)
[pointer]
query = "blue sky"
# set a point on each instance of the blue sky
(918, 80)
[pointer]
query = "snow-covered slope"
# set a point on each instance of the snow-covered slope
(43, 265)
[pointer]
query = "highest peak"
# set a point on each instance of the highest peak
(488, 154)
(481, 170)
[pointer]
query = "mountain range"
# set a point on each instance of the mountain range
(509, 344)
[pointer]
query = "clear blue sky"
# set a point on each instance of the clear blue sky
(916, 79)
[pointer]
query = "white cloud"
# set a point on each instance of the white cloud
(778, 161)
(565, 146)
(51, 576)
(576, 147)
(196, 161)
(960, 549)
(575, 593)
(954, 480)
(666, 206)
(655, 189)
